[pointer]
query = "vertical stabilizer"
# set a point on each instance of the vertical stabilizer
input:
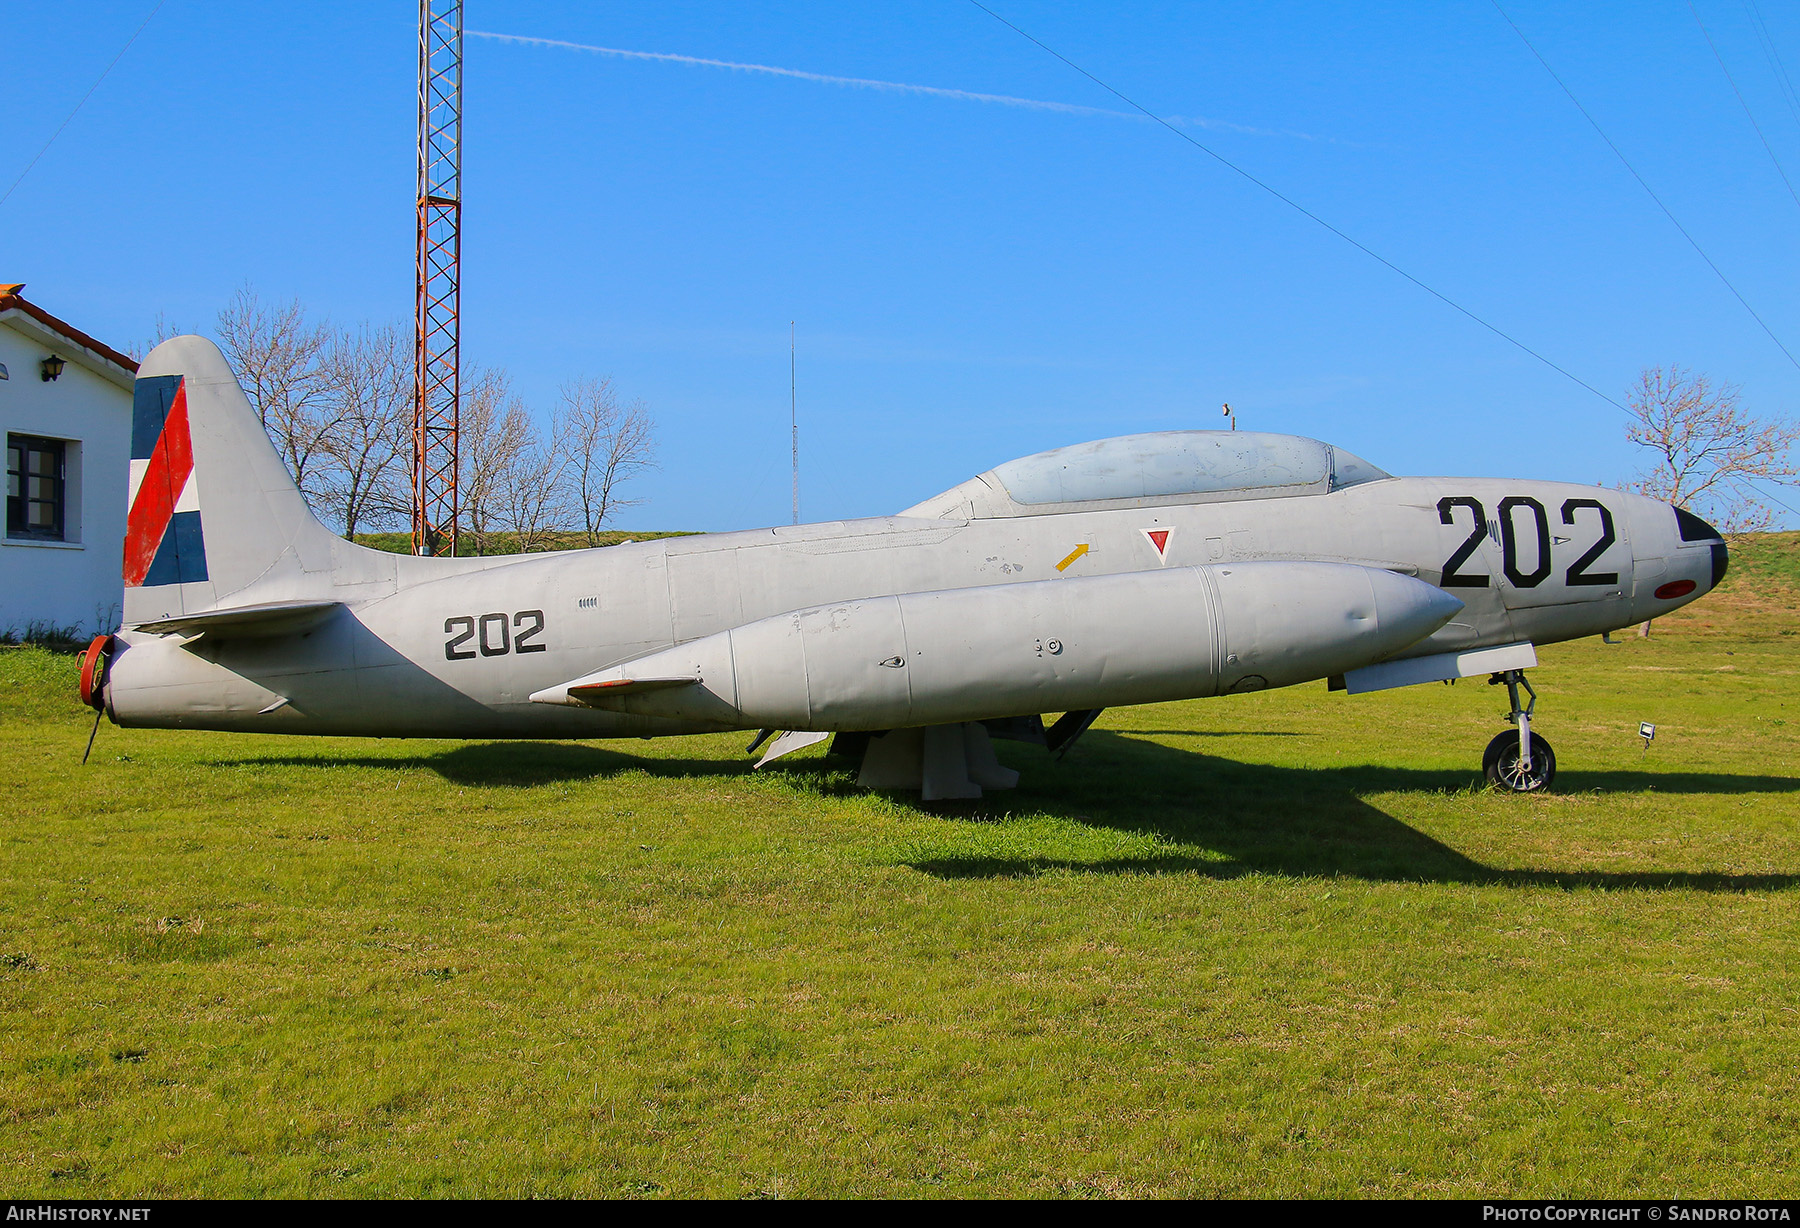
(214, 518)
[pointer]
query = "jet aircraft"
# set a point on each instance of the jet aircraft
(1173, 565)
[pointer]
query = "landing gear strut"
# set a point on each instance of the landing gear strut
(1522, 762)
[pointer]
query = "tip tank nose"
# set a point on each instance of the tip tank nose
(1407, 609)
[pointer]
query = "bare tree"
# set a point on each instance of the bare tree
(1704, 447)
(493, 428)
(337, 405)
(277, 354)
(366, 376)
(529, 491)
(604, 445)
(161, 329)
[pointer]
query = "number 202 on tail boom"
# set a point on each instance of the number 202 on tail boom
(1175, 565)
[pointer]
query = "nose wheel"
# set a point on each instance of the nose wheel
(1518, 761)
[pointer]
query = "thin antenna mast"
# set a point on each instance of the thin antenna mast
(794, 414)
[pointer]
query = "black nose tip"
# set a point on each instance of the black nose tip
(1721, 562)
(1694, 529)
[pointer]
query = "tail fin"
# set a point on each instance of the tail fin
(213, 511)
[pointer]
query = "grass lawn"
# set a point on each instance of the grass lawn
(1275, 945)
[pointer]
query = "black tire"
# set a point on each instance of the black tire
(1500, 764)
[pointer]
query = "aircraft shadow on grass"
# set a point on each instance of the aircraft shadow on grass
(510, 764)
(1263, 819)
(1313, 821)
(1219, 733)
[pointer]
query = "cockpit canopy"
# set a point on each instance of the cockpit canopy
(1150, 470)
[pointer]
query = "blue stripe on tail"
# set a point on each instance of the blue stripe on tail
(181, 559)
(151, 399)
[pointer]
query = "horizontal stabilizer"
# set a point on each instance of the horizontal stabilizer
(266, 618)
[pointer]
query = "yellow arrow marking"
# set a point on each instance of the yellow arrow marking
(1074, 554)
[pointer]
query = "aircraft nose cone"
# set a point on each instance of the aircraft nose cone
(1409, 609)
(1694, 529)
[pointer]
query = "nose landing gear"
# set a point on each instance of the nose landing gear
(1522, 762)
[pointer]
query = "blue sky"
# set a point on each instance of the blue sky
(972, 281)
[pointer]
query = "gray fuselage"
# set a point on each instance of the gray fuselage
(454, 647)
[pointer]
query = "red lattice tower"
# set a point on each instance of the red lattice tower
(438, 387)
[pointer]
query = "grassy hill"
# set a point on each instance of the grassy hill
(1275, 945)
(508, 543)
(1760, 597)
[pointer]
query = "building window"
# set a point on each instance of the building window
(36, 487)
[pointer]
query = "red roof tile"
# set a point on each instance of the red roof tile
(10, 297)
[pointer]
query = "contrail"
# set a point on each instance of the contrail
(898, 87)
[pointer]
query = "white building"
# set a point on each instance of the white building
(65, 409)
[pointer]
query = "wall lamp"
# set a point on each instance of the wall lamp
(51, 368)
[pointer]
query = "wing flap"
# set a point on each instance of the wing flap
(588, 692)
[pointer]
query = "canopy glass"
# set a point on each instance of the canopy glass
(1171, 463)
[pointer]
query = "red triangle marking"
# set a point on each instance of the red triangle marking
(1158, 538)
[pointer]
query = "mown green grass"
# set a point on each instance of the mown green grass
(1275, 945)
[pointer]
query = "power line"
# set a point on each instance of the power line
(1626, 162)
(1742, 102)
(1773, 56)
(1310, 215)
(1303, 210)
(83, 102)
(1758, 492)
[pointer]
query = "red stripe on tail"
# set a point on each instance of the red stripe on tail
(171, 464)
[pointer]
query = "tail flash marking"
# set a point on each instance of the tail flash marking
(163, 540)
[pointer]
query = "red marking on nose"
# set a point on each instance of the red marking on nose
(1674, 589)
